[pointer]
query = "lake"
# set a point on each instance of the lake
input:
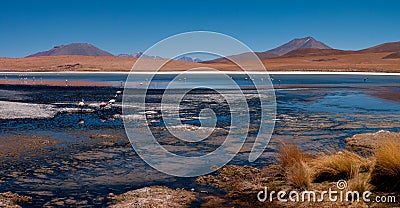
(54, 152)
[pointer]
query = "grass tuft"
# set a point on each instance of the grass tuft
(292, 162)
(288, 155)
(360, 183)
(343, 165)
(386, 172)
(299, 175)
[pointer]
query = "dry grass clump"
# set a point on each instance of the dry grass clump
(289, 154)
(300, 170)
(293, 164)
(299, 175)
(343, 165)
(360, 183)
(386, 172)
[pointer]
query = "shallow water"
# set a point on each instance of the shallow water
(330, 79)
(90, 155)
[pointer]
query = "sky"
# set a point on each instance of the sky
(27, 27)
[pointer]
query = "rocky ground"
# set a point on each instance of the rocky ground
(11, 200)
(368, 141)
(154, 196)
(241, 184)
(238, 186)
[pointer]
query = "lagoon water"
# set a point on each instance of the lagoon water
(83, 156)
(163, 77)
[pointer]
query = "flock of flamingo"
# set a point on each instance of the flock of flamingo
(102, 105)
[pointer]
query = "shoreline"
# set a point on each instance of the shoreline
(210, 72)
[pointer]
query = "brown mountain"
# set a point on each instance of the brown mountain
(385, 47)
(307, 42)
(393, 47)
(77, 49)
(298, 43)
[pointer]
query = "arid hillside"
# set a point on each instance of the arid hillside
(300, 54)
(311, 61)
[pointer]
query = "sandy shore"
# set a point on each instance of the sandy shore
(388, 95)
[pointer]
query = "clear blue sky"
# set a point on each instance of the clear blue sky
(131, 26)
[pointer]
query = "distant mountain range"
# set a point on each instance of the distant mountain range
(135, 55)
(138, 55)
(299, 47)
(188, 59)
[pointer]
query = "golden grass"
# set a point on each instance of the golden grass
(289, 154)
(343, 165)
(360, 183)
(381, 171)
(386, 172)
(292, 162)
(299, 175)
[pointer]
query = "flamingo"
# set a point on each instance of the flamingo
(103, 104)
(118, 93)
(81, 121)
(112, 101)
(81, 104)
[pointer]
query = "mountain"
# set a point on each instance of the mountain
(307, 42)
(298, 43)
(188, 59)
(138, 55)
(79, 49)
(385, 47)
(135, 55)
